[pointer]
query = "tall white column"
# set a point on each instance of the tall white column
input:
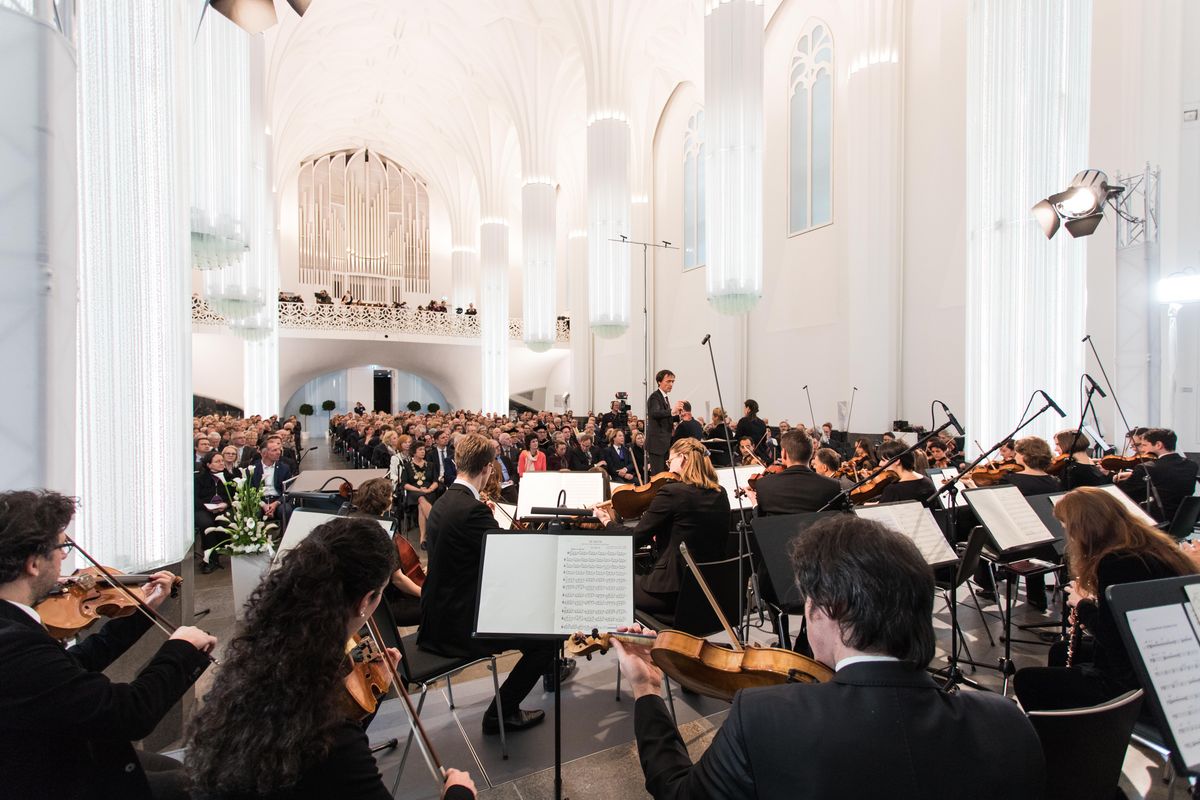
(38, 227)
(1027, 111)
(874, 182)
(493, 314)
(608, 218)
(134, 355)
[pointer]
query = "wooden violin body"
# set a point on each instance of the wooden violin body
(368, 678)
(85, 596)
(632, 501)
(872, 489)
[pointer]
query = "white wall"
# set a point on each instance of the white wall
(217, 367)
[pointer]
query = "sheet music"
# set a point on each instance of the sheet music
(1008, 517)
(917, 523)
(519, 572)
(725, 477)
(503, 514)
(1170, 650)
(595, 583)
(542, 488)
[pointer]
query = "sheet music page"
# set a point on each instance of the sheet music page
(542, 488)
(917, 523)
(1171, 652)
(725, 477)
(1009, 518)
(518, 581)
(595, 583)
(503, 514)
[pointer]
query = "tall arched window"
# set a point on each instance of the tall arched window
(810, 138)
(693, 192)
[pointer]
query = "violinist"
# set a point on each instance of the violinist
(65, 728)
(1173, 476)
(275, 722)
(1075, 467)
(797, 489)
(693, 510)
(881, 721)
(911, 485)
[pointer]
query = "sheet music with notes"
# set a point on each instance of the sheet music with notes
(725, 477)
(1008, 517)
(543, 488)
(916, 522)
(1170, 649)
(539, 584)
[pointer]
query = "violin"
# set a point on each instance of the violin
(367, 679)
(991, 474)
(872, 489)
(85, 596)
(1118, 463)
(632, 501)
(410, 562)
(713, 670)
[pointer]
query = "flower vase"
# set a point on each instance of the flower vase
(247, 571)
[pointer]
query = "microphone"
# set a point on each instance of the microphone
(950, 415)
(1050, 402)
(704, 341)
(1095, 386)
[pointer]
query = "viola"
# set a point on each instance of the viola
(990, 475)
(367, 677)
(872, 489)
(85, 596)
(410, 562)
(1118, 463)
(632, 501)
(713, 670)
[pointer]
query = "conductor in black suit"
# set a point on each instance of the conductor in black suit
(65, 728)
(454, 536)
(880, 726)
(797, 489)
(661, 417)
(693, 510)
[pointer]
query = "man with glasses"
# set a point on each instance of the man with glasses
(65, 728)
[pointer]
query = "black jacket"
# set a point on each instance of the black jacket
(796, 490)
(681, 512)
(878, 729)
(1173, 476)
(659, 423)
(65, 728)
(454, 536)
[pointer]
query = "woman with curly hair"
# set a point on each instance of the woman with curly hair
(1106, 545)
(274, 723)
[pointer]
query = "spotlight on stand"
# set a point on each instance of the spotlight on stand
(1080, 207)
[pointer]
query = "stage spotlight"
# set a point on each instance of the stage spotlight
(1080, 207)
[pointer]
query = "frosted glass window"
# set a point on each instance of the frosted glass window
(693, 192)
(810, 136)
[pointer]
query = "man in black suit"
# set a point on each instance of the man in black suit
(661, 417)
(880, 722)
(688, 427)
(797, 489)
(1173, 476)
(65, 728)
(454, 537)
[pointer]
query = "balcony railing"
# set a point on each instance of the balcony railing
(375, 319)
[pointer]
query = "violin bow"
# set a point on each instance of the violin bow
(733, 637)
(435, 764)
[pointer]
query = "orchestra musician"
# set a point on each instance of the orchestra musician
(275, 722)
(693, 510)
(797, 489)
(1106, 545)
(911, 485)
(661, 417)
(1173, 476)
(65, 728)
(880, 722)
(1079, 469)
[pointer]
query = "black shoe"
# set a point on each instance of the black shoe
(567, 667)
(514, 722)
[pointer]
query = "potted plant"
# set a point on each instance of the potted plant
(305, 410)
(433, 408)
(247, 540)
(414, 405)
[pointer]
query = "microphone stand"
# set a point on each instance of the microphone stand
(742, 525)
(811, 415)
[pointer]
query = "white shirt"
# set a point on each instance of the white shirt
(845, 662)
(474, 491)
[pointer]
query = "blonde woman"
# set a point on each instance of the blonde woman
(693, 510)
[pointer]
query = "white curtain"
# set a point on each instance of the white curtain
(134, 345)
(1027, 113)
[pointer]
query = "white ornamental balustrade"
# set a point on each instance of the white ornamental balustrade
(375, 319)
